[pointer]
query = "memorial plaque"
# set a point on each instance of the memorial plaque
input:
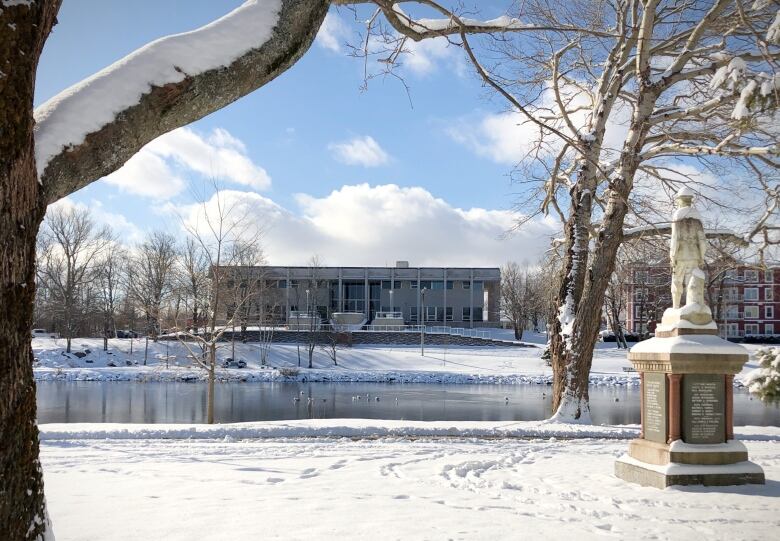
(654, 416)
(703, 408)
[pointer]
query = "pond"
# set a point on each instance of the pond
(129, 402)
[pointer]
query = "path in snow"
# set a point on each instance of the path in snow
(386, 488)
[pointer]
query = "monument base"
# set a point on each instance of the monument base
(662, 476)
(678, 452)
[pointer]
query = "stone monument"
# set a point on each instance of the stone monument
(687, 373)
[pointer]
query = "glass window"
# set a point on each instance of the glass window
(640, 293)
(413, 314)
(640, 276)
(751, 328)
(477, 284)
(293, 283)
(751, 312)
(425, 284)
(430, 313)
(638, 311)
(386, 284)
(466, 284)
(477, 313)
(769, 329)
(769, 312)
(449, 313)
(751, 275)
(751, 293)
(282, 284)
(437, 284)
(450, 284)
(732, 312)
(769, 276)
(769, 294)
(413, 284)
(466, 313)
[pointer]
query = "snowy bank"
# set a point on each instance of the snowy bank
(359, 428)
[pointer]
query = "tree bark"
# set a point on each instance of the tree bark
(23, 31)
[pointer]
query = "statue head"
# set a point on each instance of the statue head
(684, 197)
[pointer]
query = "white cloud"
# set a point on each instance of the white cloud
(377, 225)
(509, 137)
(363, 151)
(333, 33)
(423, 57)
(159, 169)
(503, 137)
(127, 232)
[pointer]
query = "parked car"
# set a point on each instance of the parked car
(127, 334)
(43, 333)
(229, 362)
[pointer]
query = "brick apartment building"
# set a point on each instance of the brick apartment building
(743, 299)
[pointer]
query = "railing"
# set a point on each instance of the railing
(304, 315)
(389, 315)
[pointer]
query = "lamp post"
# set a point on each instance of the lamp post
(422, 327)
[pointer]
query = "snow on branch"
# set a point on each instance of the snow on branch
(92, 128)
(84, 108)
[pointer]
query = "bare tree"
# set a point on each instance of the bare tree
(110, 280)
(193, 283)
(519, 297)
(222, 234)
(153, 278)
(71, 248)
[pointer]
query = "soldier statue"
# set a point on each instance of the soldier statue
(686, 251)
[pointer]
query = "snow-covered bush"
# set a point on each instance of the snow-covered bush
(764, 381)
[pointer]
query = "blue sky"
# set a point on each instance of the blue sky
(320, 140)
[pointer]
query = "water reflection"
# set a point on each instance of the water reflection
(123, 402)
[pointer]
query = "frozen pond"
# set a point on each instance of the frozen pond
(128, 402)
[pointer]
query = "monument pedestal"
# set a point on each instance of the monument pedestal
(687, 435)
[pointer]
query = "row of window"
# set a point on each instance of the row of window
(751, 312)
(750, 276)
(731, 294)
(435, 313)
(386, 284)
(753, 328)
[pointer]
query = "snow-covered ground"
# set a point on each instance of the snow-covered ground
(373, 484)
(478, 364)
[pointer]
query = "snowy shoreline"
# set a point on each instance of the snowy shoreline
(180, 375)
(362, 429)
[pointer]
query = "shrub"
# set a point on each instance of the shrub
(764, 381)
(288, 372)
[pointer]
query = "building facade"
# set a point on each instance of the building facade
(452, 296)
(742, 299)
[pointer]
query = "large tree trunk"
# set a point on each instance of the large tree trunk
(568, 378)
(23, 31)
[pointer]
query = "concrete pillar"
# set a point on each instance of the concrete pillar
(340, 307)
(287, 297)
(419, 312)
(444, 319)
(471, 300)
(366, 296)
